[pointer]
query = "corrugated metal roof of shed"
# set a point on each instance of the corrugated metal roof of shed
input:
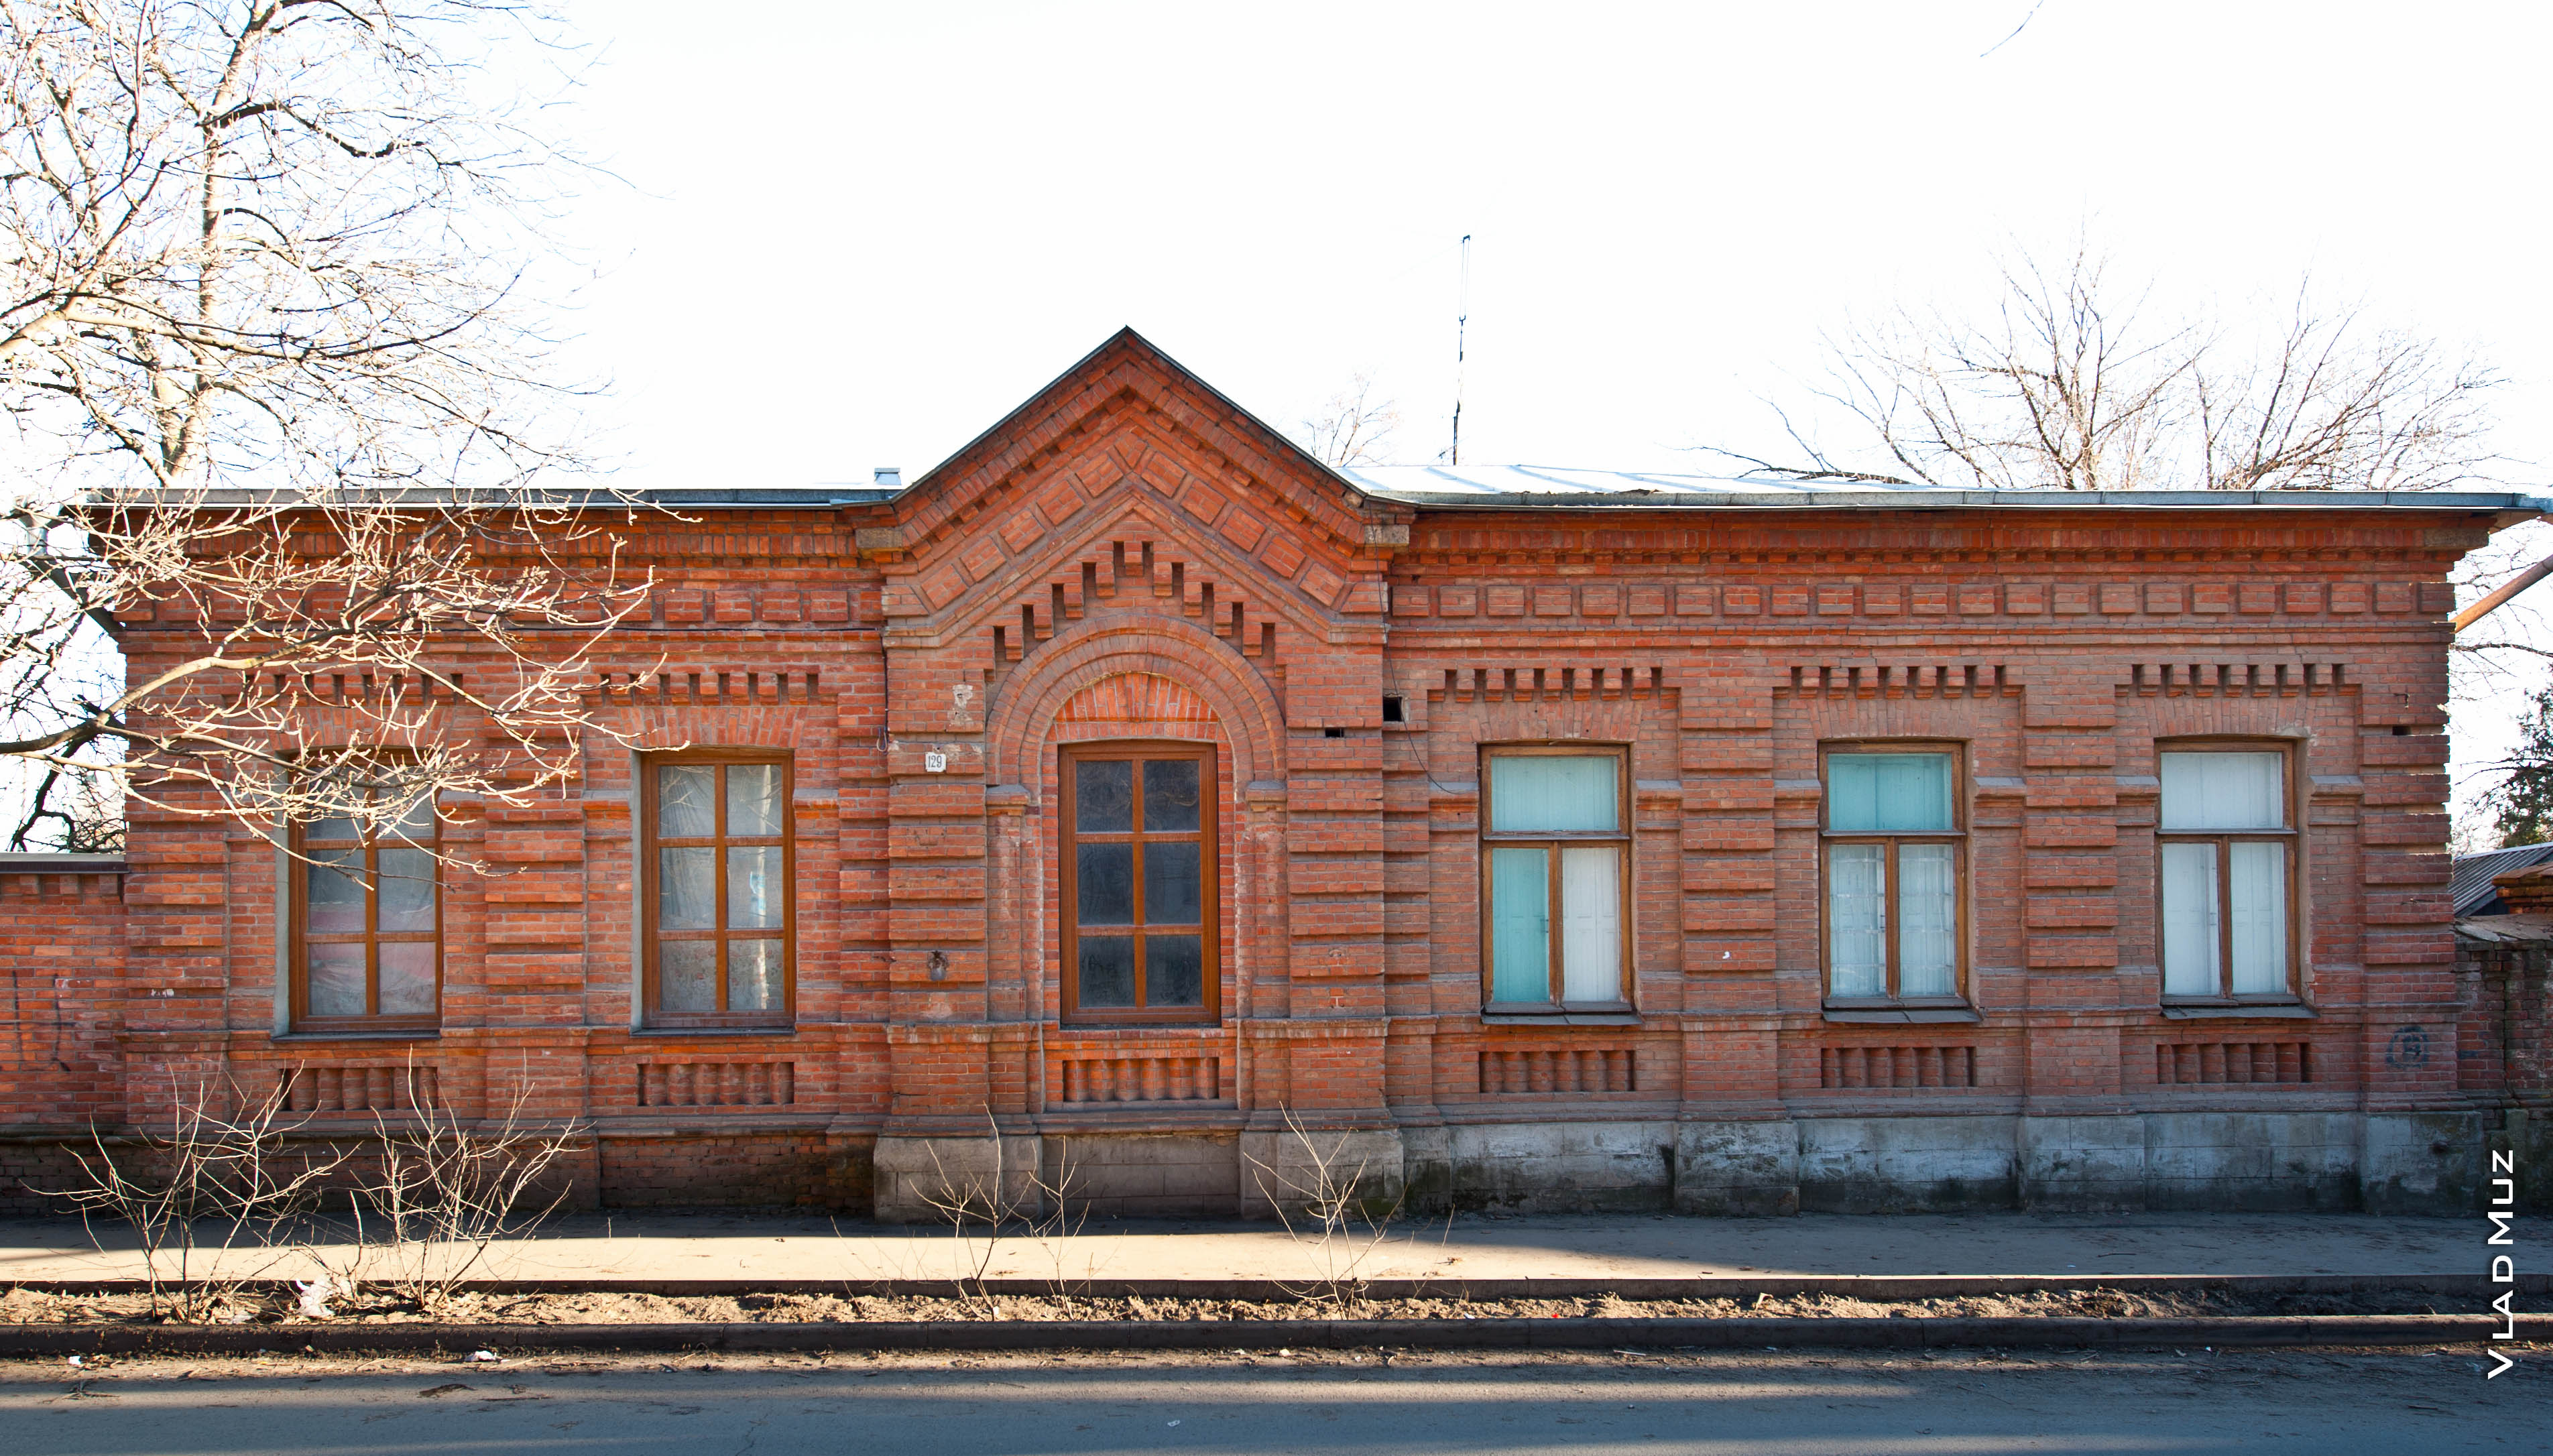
(2472, 886)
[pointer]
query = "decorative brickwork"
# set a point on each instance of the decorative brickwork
(385, 1090)
(1575, 1071)
(1897, 1069)
(2232, 1063)
(1097, 1080)
(716, 1084)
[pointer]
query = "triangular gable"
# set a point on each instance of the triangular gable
(1231, 452)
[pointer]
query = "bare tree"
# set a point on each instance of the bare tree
(2072, 383)
(281, 393)
(1351, 425)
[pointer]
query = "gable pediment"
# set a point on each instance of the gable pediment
(1130, 468)
(1192, 437)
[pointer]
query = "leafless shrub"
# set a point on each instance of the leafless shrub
(1055, 1225)
(213, 1203)
(985, 1206)
(1328, 1209)
(976, 1203)
(446, 1191)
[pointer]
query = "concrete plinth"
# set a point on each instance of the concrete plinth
(1743, 1168)
(1298, 1169)
(925, 1180)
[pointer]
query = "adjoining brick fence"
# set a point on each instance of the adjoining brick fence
(2505, 972)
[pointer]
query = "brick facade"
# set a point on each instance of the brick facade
(1129, 556)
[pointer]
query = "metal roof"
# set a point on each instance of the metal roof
(1550, 487)
(2472, 889)
(42, 862)
(1558, 486)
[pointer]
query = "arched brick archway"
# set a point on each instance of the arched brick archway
(1026, 708)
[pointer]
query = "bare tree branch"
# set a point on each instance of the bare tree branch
(286, 431)
(2069, 384)
(1351, 427)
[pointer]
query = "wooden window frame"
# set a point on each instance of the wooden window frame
(1209, 929)
(653, 1016)
(300, 850)
(1957, 837)
(1626, 982)
(2224, 840)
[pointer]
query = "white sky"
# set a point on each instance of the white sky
(857, 234)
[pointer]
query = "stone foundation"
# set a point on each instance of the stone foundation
(2230, 1161)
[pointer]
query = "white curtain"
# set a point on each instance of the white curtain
(2189, 919)
(1927, 921)
(1857, 920)
(1590, 917)
(2224, 791)
(2260, 911)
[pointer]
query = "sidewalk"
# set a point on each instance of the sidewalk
(784, 1247)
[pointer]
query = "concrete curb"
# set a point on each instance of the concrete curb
(2474, 1286)
(23, 1341)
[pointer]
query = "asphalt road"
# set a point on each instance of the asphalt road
(1791, 1403)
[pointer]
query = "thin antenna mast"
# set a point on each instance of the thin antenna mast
(1461, 316)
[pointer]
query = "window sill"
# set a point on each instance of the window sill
(1901, 1015)
(716, 1031)
(429, 1034)
(2266, 1010)
(1560, 1018)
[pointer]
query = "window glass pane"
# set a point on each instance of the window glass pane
(337, 980)
(686, 802)
(756, 888)
(1105, 883)
(1170, 883)
(1103, 795)
(1888, 792)
(752, 975)
(1107, 971)
(335, 826)
(2189, 919)
(1553, 793)
(687, 889)
(753, 800)
(1519, 924)
(2223, 791)
(407, 978)
(1928, 953)
(1856, 919)
(686, 976)
(406, 885)
(2260, 910)
(335, 895)
(1169, 795)
(1174, 971)
(1591, 923)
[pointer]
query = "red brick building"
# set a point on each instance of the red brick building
(1553, 839)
